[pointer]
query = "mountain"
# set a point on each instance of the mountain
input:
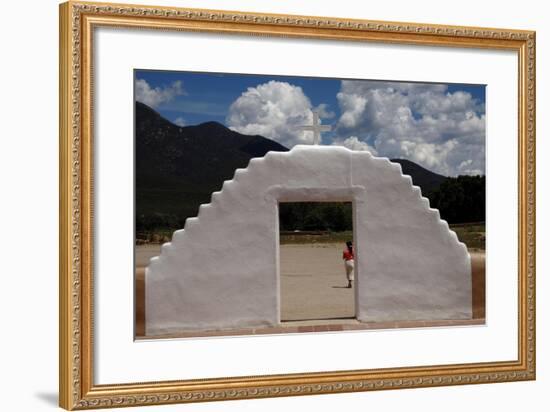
(427, 180)
(178, 168)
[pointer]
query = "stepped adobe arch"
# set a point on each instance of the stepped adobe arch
(222, 270)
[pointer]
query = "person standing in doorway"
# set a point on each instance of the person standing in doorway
(349, 263)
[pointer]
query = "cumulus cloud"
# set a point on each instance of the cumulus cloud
(324, 112)
(275, 110)
(154, 97)
(426, 123)
(353, 143)
(180, 121)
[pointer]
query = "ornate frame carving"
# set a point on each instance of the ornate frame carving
(77, 21)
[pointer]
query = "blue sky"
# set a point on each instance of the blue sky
(440, 126)
(209, 95)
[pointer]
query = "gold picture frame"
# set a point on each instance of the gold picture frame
(76, 384)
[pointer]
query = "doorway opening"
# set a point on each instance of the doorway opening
(314, 282)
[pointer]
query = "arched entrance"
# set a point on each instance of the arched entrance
(280, 194)
(315, 286)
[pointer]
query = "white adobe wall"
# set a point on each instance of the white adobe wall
(222, 270)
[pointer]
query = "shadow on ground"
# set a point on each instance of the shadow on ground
(48, 398)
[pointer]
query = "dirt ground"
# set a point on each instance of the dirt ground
(312, 283)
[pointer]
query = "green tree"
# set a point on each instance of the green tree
(332, 216)
(460, 199)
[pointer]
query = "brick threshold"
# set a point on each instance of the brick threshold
(319, 326)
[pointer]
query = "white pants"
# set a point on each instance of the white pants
(349, 264)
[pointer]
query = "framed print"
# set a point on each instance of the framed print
(257, 205)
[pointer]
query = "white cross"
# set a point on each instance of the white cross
(316, 128)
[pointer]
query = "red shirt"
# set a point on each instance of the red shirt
(348, 255)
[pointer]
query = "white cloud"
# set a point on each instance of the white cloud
(354, 143)
(180, 121)
(425, 123)
(324, 112)
(275, 110)
(154, 97)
